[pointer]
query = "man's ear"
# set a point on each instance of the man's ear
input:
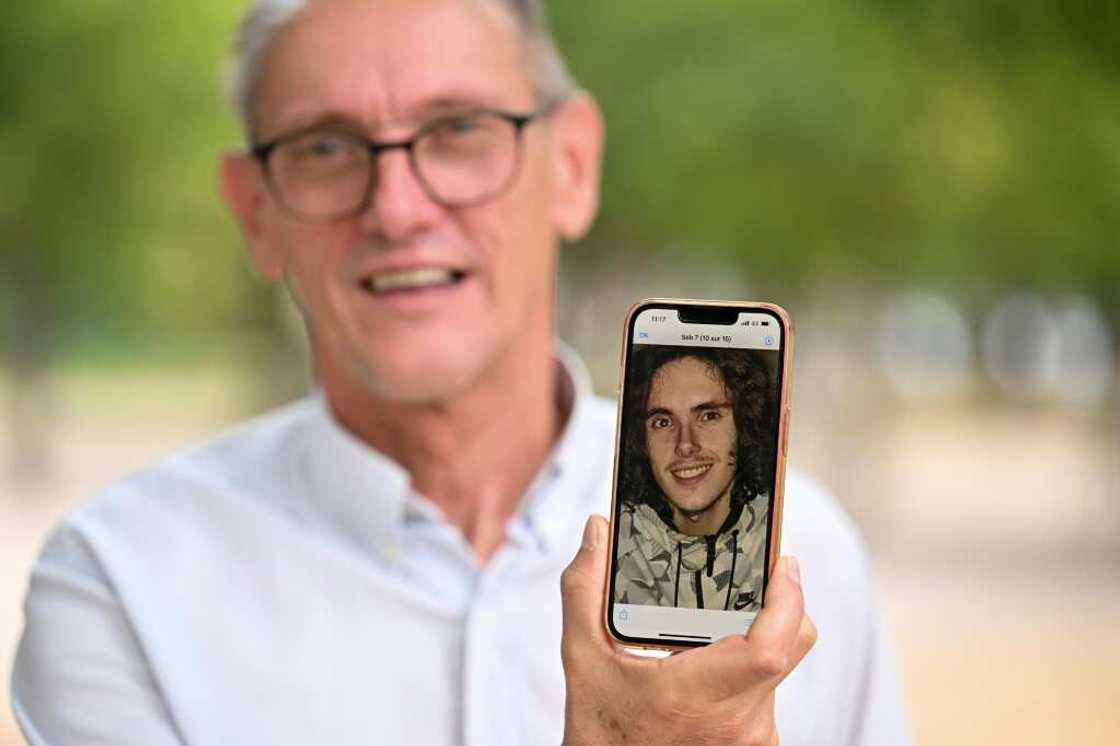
(578, 134)
(244, 193)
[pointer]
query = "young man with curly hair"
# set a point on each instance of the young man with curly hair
(697, 491)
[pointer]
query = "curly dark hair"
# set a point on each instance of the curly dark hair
(753, 407)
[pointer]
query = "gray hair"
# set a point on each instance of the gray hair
(265, 18)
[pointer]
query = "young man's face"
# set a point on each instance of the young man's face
(462, 282)
(690, 435)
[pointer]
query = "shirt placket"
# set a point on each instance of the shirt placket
(491, 700)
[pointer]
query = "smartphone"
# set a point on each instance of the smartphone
(699, 468)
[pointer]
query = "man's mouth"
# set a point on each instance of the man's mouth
(416, 278)
(690, 471)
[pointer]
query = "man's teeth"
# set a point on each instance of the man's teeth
(691, 471)
(412, 278)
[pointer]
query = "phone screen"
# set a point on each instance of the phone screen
(697, 468)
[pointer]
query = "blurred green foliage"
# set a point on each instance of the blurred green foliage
(112, 118)
(969, 146)
(962, 144)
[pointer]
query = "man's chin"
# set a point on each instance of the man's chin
(695, 513)
(420, 379)
(416, 386)
(693, 506)
(422, 367)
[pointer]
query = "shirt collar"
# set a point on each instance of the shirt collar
(361, 492)
(559, 495)
(366, 496)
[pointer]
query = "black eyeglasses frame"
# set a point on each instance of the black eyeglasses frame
(261, 152)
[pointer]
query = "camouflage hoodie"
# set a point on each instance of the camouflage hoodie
(659, 566)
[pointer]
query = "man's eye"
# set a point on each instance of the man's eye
(709, 415)
(659, 423)
(321, 148)
(325, 147)
(462, 125)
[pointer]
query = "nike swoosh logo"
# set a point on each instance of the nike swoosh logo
(743, 600)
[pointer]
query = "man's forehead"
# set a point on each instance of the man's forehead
(687, 379)
(378, 61)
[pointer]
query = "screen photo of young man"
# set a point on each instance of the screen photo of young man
(696, 480)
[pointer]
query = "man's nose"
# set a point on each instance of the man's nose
(686, 442)
(399, 205)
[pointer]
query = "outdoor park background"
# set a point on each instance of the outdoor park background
(931, 188)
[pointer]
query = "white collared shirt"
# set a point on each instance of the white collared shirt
(283, 584)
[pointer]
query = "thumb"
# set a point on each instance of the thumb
(581, 590)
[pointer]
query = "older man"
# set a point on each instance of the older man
(378, 563)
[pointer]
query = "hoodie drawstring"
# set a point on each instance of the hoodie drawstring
(734, 556)
(711, 557)
(710, 541)
(677, 585)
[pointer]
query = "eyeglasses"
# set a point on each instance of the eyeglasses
(460, 160)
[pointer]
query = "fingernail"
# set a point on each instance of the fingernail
(591, 533)
(793, 569)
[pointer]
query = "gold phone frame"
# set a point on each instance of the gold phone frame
(780, 461)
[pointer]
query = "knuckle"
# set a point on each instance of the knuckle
(572, 659)
(770, 663)
(571, 582)
(569, 652)
(809, 633)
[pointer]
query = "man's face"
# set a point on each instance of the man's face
(690, 433)
(466, 280)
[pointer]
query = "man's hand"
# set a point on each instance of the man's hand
(719, 694)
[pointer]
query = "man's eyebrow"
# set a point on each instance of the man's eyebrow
(425, 111)
(329, 120)
(450, 104)
(334, 119)
(712, 405)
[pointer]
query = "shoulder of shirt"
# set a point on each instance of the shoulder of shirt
(840, 598)
(603, 413)
(248, 459)
(818, 531)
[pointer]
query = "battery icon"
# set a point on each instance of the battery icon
(766, 323)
